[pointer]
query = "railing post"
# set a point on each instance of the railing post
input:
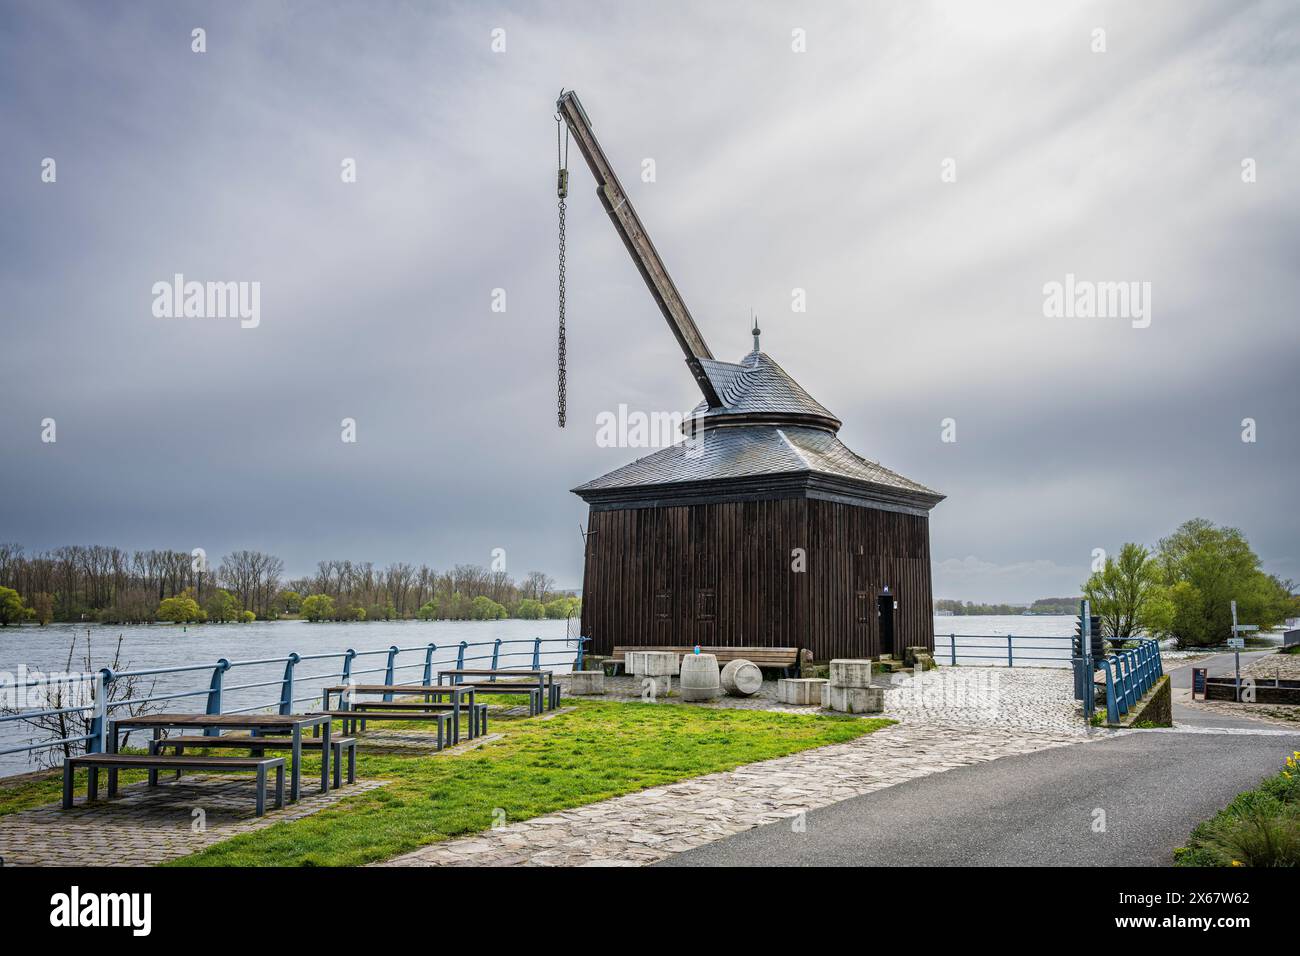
(952, 642)
(496, 654)
(581, 642)
(537, 653)
(1112, 706)
(428, 664)
(99, 722)
(389, 677)
(1010, 659)
(286, 687)
(460, 658)
(348, 657)
(214, 694)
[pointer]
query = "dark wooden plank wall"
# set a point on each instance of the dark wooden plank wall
(720, 574)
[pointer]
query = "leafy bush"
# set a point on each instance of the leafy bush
(530, 610)
(181, 609)
(318, 607)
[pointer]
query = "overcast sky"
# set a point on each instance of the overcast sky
(775, 170)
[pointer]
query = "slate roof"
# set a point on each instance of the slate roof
(769, 438)
(756, 385)
(746, 451)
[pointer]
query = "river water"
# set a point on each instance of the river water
(980, 641)
(45, 650)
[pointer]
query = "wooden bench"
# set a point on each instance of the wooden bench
(338, 745)
(153, 763)
(530, 689)
(477, 716)
(770, 658)
(351, 718)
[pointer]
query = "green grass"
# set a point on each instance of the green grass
(1260, 827)
(596, 751)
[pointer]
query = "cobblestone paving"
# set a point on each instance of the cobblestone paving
(1029, 699)
(146, 826)
(1266, 714)
(644, 827)
(1281, 666)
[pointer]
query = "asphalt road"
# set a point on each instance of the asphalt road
(1037, 810)
(1220, 665)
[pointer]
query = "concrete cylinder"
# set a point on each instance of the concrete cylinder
(850, 673)
(699, 677)
(741, 678)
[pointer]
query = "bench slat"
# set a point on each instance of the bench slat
(163, 762)
(269, 743)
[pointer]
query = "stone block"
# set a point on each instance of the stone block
(800, 691)
(657, 663)
(582, 683)
(854, 700)
(850, 673)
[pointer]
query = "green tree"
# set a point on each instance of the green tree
(484, 608)
(561, 607)
(530, 610)
(318, 607)
(180, 609)
(1208, 567)
(1129, 594)
(221, 606)
(428, 611)
(291, 601)
(12, 609)
(247, 617)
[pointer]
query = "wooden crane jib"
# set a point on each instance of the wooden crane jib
(643, 252)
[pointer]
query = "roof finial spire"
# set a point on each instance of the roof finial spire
(757, 330)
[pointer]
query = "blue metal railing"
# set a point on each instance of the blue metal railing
(98, 687)
(1008, 649)
(1129, 675)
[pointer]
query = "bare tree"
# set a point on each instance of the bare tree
(129, 694)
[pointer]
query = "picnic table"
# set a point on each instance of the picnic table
(457, 693)
(545, 680)
(293, 724)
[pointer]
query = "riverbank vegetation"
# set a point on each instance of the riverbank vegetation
(1185, 586)
(1261, 827)
(112, 586)
(1041, 606)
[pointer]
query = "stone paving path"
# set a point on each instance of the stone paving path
(1016, 699)
(146, 826)
(647, 826)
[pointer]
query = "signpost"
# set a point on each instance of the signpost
(1237, 643)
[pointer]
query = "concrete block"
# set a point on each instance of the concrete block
(800, 691)
(658, 663)
(583, 683)
(854, 700)
(850, 673)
